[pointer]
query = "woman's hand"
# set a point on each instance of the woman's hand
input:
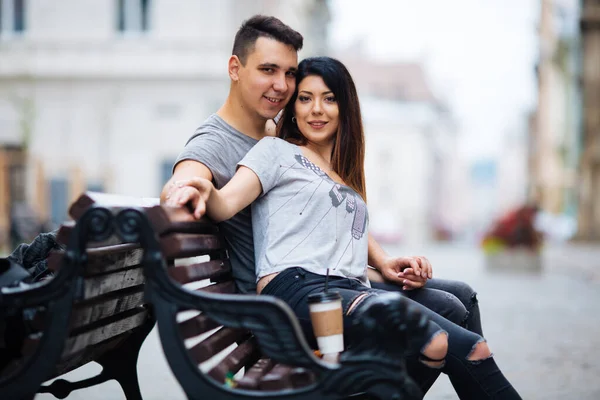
(410, 280)
(410, 272)
(203, 190)
(195, 191)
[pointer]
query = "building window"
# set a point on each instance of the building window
(166, 171)
(12, 16)
(133, 15)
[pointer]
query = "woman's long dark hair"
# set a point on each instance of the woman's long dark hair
(348, 154)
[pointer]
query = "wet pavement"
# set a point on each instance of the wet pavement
(544, 328)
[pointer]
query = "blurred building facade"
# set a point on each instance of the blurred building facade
(102, 95)
(555, 125)
(589, 195)
(411, 163)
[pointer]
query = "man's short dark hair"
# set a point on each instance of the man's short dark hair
(263, 26)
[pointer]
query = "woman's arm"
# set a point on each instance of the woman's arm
(220, 205)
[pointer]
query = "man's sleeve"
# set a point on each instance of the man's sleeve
(205, 148)
(263, 159)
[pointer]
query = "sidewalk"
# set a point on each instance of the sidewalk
(573, 258)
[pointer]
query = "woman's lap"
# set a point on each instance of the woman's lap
(295, 284)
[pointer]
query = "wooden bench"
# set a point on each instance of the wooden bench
(93, 309)
(219, 344)
(223, 345)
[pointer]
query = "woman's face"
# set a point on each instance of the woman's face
(316, 111)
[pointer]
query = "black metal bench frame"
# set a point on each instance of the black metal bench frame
(57, 296)
(371, 370)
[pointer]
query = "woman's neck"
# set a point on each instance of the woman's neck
(321, 157)
(323, 152)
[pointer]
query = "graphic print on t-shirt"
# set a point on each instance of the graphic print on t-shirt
(338, 194)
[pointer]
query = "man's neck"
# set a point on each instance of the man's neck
(235, 115)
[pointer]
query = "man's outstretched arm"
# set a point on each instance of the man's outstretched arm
(408, 272)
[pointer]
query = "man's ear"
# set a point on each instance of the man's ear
(234, 66)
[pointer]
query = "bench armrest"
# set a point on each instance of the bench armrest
(271, 320)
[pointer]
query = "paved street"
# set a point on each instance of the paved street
(544, 329)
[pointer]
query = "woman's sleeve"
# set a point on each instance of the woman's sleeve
(263, 160)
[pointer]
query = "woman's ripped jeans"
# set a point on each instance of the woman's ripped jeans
(471, 378)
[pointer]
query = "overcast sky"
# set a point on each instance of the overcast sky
(479, 55)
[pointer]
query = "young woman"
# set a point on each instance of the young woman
(307, 190)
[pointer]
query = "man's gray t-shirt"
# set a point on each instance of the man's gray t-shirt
(303, 218)
(220, 147)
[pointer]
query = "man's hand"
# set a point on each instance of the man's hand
(410, 272)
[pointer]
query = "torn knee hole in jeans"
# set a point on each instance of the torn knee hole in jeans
(436, 364)
(355, 302)
(432, 362)
(479, 360)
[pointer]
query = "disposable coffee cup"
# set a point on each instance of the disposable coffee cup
(326, 317)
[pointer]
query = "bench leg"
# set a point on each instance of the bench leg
(123, 369)
(119, 364)
(61, 388)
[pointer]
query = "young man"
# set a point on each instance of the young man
(262, 72)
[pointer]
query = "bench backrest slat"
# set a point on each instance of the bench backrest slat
(101, 284)
(104, 259)
(215, 343)
(196, 326)
(168, 219)
(105, 306)
(246, 353)
(278, 378)
(221, 287)
(283, 377)
(213, 269)
(91, 335)
(180, 245)
(253, 376)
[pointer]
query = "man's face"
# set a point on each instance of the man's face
(268, 79)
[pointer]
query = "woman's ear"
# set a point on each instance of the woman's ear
(234, 66)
